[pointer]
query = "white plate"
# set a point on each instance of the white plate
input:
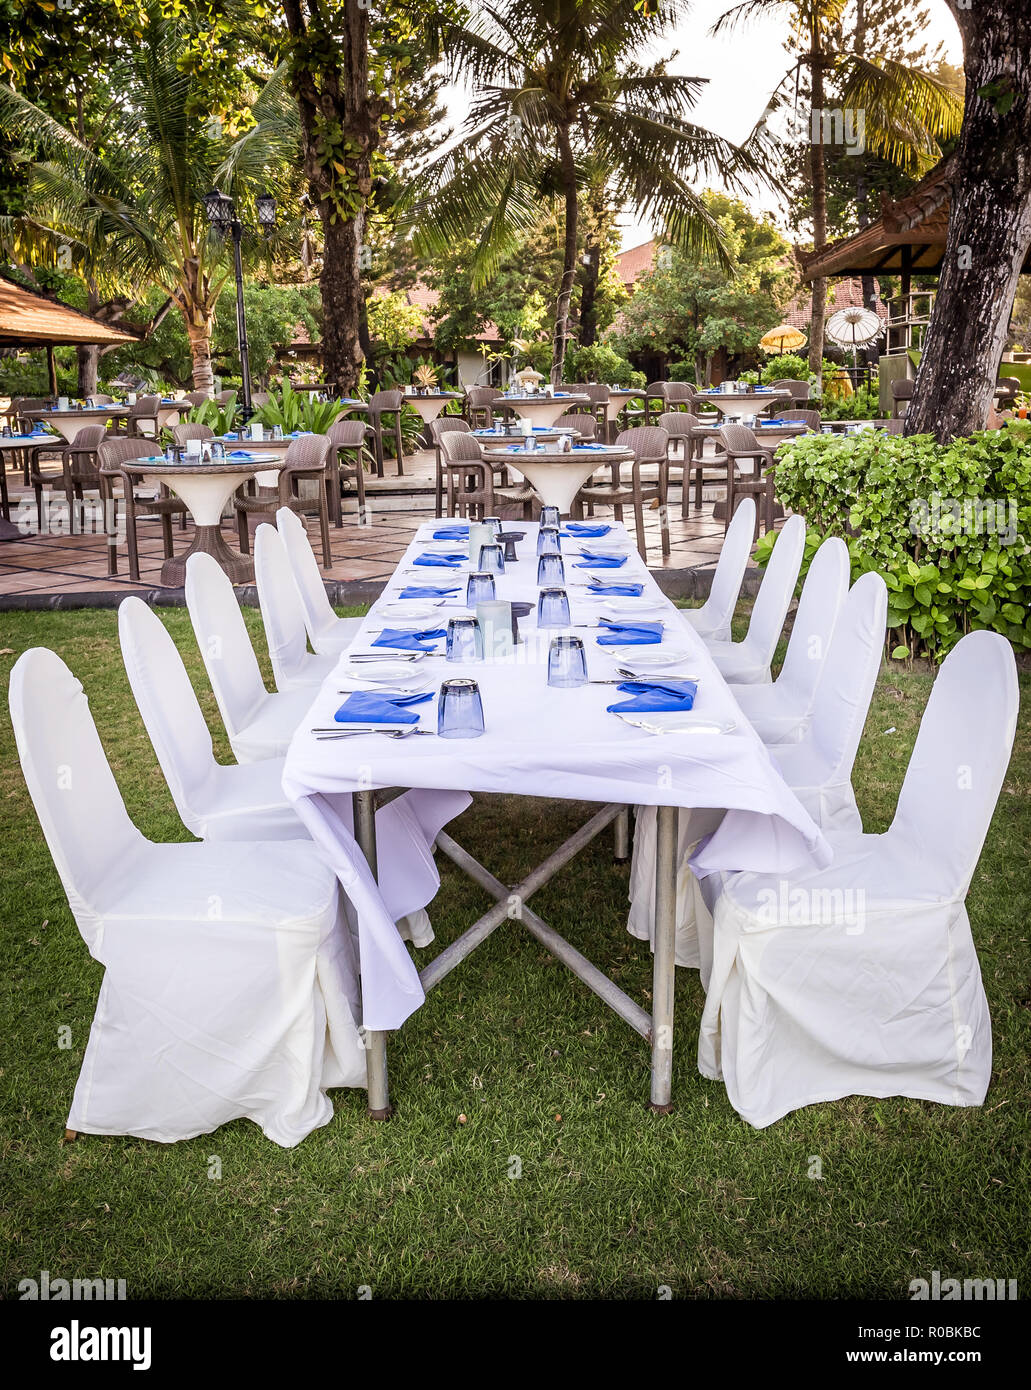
(635, 607)
(405, 610)
(676, 722)
(659, 654)
(607, 548)
(382, 672)
(411, 683)
(456, 546)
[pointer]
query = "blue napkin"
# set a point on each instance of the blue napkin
(426, 591)
(579, 448)
(656, 695)
(377, 707)
(630, 634)
(410, 641)
(239, 453)
(452, 533)
(448, 562)
(577, 529)
(619, 590)
(773, 422)
(602, 562)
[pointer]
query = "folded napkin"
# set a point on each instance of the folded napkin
(409, 641)
(448, 562)
(452, 533)
(378, 707)
(773, 422)
(656, 695)
(239, 453)
(589, 560)
(619, 590)
(579, 448)
(426, 591)
(629, 634)
(577, 529)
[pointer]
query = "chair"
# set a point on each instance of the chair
(712, 620)
(142, 416)
(901, 395)
(799, 391)
(478, 407)
(347, 438)
(649, 444)
(112, 455)
(386, 403)
(444, 424)
(181, 434)
(227, 397)
(780, 712)
(600, 396)
(691, 434)
(326, 632)
(259, 725)
(862, 978)
(748, 662)
(309, 458)
(739, 445)
(196, 398)
(78, 470)
(812, 419)
(293, 666)
(230, 987)
(470, 479)
(818, 768)
(582, 421)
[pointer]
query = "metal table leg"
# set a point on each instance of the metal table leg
(621, 836)
(663, 957)
(378, 1099)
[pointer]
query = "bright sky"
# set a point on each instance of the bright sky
(743, 70)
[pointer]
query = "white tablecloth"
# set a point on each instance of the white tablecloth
(543, 742)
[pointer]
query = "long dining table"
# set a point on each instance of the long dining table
(538, 741)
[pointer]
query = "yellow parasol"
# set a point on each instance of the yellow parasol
(782, 339)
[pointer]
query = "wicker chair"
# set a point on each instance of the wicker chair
(182, 433)
(739, 445)
(479, 406)
(347, 460)
(78, 469)
(227, 397)
(812, 419)
(112, 456)
(445, 424)
(798, 390)
(20, 424)
(309, 458)
(584, 423)
(901, 395)
(196, 398)
(649, 444)
(144, 412)
(386, 403)
(691, 434)
(470, 479)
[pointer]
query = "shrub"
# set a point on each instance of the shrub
(947, 526)
(297, 410)
(600, 363)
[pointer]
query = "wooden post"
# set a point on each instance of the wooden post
(52, 369)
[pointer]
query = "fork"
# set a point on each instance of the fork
(326, 735)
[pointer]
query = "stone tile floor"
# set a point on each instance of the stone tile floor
(54, 563)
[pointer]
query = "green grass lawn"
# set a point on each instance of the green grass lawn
(611, 1201)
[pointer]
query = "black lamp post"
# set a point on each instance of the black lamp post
(221, 211)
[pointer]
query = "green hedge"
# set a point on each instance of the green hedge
(947, 526)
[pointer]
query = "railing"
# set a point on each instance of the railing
(908, 317)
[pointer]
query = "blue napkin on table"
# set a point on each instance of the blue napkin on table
(656, 695)
(588, 560)
(377, 707)
(239, 453)
(630, 633)
(772, 422)
(452, 533)
(579, 448)
(448, 562)
(619, 590)
(410, 641)
(426, 591)
(577, 529)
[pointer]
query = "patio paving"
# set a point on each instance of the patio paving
(364, 551)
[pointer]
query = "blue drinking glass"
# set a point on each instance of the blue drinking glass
(550, 517)
(492, 559)
(460, 709)
(548, 541)
(553, 608)
(550, 571)
(567, 663)
(494, 522)
(479, 589)
(464, 640)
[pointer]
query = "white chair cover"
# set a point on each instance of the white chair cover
(283, 616)
(862, 978)
(247, 802)
(259, 725)
(712, 620)
(230, 988)
(329, 635)
(748, 662)
(779, 713)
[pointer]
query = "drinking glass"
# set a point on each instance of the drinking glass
(551, 571)
(550, 517)
(464, 640)
(567, 662)
(492, 559)
(553, 608)
(460, 709)
(494, 522)
(548, 541)
(479, 589)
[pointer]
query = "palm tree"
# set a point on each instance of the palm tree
(127, 203)
(906, 111)
(560, 89)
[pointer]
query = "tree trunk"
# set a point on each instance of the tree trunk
(565, 292)
(818, 177)
(989, 225)
(87, 357)
(589, 298)
(199, 335)
(342, 302)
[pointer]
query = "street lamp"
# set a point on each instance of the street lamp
(221, 212)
